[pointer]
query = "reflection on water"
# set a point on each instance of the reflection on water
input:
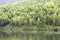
(28, 35)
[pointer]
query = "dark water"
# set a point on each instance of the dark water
(30, 36)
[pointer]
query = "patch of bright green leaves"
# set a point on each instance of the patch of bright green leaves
(40, 14)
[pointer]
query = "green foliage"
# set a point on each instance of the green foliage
(4, 20)
(33, 14)
(32, 17)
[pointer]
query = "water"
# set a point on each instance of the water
(31, 35)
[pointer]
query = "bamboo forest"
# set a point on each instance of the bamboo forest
(29, 19)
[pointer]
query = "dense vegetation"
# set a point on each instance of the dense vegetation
(33, 15)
